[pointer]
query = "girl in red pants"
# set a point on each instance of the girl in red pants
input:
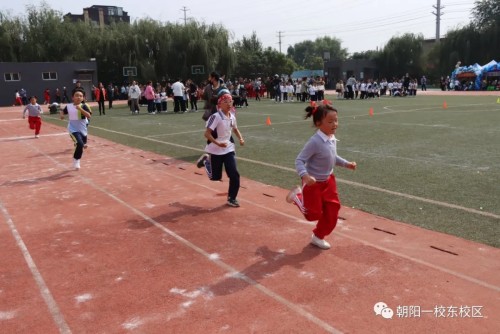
(34, 115)
(318, 198)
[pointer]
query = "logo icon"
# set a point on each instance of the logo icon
(382, 309)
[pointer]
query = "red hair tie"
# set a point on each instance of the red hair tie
(314, 106)
(327, 102)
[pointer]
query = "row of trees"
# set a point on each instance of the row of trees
(163, 51)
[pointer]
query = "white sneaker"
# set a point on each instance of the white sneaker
(76, 164)
(37, 136)
(293, 193)
(321, 243)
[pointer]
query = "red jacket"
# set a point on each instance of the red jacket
(98, 92)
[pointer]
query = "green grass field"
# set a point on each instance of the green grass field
(418, 163)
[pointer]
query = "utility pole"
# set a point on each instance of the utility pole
(184, 9)
(438, 14)
(279, 38)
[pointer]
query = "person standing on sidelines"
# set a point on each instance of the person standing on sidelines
(34, 115)
(77, 112)
(179, 90)
(100, 96)
(110, 90)
(134, 94)
(211, 93)
(221, 147)
(318, 199)
(149, 95)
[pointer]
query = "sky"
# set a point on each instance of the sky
(360, 25)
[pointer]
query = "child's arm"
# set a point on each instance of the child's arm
(237, 132)
(62, 112)
(84, 112)
(210, 138)
(344, 163)
(24, 112)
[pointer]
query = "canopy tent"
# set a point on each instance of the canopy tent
(491, 69)
(475, 72)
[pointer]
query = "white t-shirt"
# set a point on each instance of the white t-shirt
(134, 92)
(224, 126)
(178, 88)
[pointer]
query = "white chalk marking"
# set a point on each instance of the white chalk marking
(133, 323)
(83, 298)
(214, 256)
(7, 315)
(44, 290)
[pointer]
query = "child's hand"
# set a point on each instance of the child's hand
(218, 143)
(308, 179)
(352, 165)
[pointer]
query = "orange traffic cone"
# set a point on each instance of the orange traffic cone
(371, 111)
(445, 106)
(268, 120)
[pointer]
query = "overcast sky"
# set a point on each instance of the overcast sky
(361, 25)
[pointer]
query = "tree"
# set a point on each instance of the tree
(486, 13)
(310, 54)
(370, 55)
(277, 63)
(11, 34)
(401, 55)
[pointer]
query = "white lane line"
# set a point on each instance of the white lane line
(31, 137)
(44, 290)
(13, 120)
(292, 218)
(278, 298)
(352, 183)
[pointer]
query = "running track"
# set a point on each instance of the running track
(136, 242)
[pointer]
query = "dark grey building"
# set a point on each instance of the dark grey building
(341, 70)
(36, 77)
(100, 16)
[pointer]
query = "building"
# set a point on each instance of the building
(100, 16)
(36, 77)
(341, 70)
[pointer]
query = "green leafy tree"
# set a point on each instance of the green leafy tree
(249, 57)
(11, 35)
(486, 13)
(401, 55)
(370, 55)
(309, 54)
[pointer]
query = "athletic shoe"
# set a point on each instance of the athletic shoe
(37, 136)
(321, 243)
(293, 194)
(201, 161)
(233, 202)
(76, 164)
